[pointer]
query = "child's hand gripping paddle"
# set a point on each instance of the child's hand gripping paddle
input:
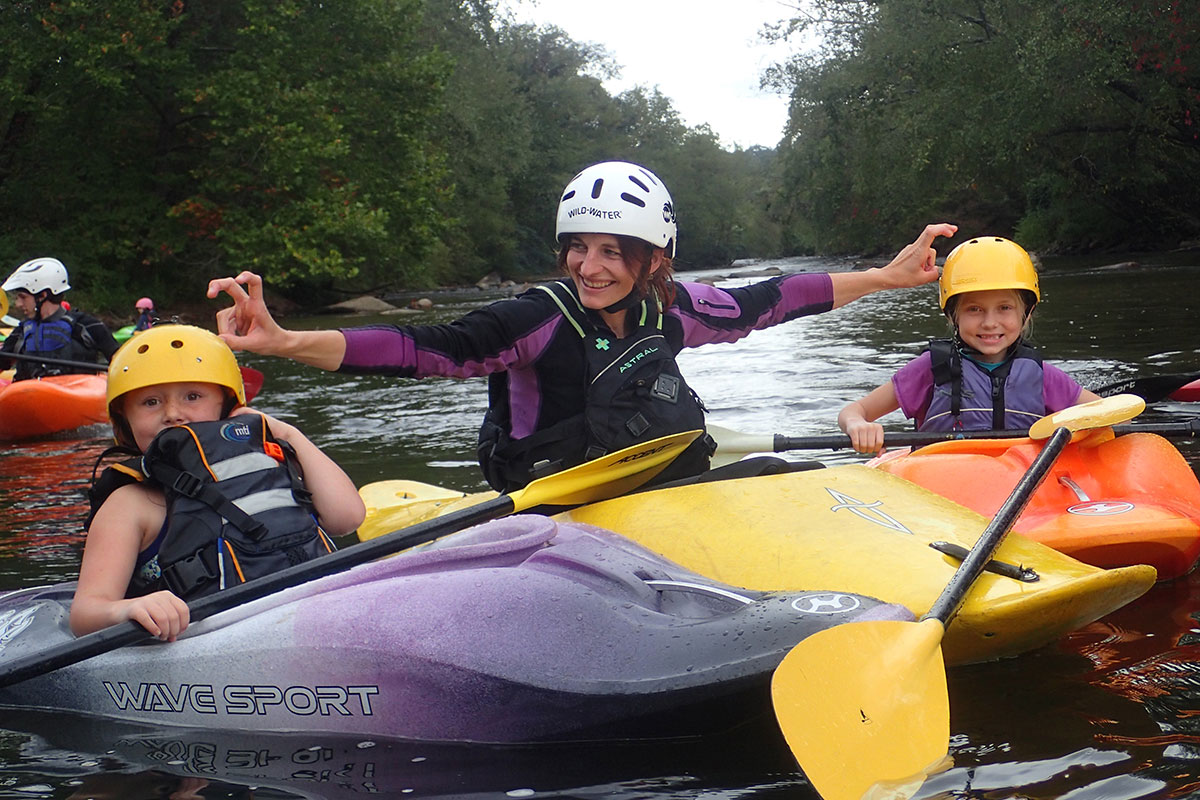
(864, 705)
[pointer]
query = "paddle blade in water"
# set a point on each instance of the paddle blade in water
(1096, 414)
(607, 476)
(864, 708)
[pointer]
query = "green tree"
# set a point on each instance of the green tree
(164, 145)
(1067, 121)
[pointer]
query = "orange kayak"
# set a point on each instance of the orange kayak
(1107, 502)
(42, 406)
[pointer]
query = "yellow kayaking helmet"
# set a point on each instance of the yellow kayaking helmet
(171, 354)
(987, 262)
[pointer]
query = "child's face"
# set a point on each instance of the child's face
(155, 408)
(990, 321)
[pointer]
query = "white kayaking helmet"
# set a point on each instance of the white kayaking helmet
(38, 275)
(618, 198)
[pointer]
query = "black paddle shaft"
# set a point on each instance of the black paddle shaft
(81, 366)
(127, 633)
(840, 441)
(989, 541)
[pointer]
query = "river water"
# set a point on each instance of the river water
(1108, 712)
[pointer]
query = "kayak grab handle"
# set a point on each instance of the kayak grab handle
(699, 588)
(1014, 571)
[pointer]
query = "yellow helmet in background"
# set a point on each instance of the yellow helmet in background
(987, 262)
(173, 354)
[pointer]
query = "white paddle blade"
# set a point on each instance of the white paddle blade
(734, 445)
(864, 708)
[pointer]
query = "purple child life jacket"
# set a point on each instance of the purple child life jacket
(968, 397)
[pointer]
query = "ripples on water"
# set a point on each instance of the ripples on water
(1109, 713)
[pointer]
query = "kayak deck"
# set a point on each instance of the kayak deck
(1108, 502)
(851, 527)
(517, 630)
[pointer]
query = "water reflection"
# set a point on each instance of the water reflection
(106, 758)
(43, 504)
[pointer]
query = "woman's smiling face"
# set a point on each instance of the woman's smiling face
(597, 266)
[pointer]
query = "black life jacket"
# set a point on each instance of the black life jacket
(995, 401)
(237, 507)
(635, 393)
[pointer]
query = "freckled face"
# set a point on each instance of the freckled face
(152, 409)
(595, 264)
(990, 321)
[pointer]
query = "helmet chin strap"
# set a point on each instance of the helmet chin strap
(39, 300)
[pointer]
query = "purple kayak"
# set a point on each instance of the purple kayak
(519, 630)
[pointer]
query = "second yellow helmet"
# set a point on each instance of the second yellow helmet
(987, 262)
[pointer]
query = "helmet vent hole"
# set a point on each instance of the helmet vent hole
(143, 348)
(637, 201)
(176, 344)
(639, 184)
(569, 195)
(597, 187)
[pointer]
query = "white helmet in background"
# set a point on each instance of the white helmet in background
(618, 198)
(38, 275)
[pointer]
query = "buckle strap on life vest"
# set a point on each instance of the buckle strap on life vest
(197, 488)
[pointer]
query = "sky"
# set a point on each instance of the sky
(704, 55)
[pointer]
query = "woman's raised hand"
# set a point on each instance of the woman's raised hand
(247, 324)
(916, 264)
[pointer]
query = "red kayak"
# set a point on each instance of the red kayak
(1188, 393)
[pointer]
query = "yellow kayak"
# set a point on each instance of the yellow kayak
(847, 528)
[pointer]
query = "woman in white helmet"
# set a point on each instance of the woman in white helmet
(49, 330)
(585, 365)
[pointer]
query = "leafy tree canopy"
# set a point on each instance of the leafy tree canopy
(1071, 124)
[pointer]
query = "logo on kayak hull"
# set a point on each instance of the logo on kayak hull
(13, 622)
(869, 511)
(1101, 508)
(826, 603)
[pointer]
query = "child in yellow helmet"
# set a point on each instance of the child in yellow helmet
(985, 377)
(168, 376)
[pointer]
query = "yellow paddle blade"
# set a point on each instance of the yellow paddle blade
(3, 303)
(1096, 414)
(864, 705)
(607, 476)
(395, 504)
